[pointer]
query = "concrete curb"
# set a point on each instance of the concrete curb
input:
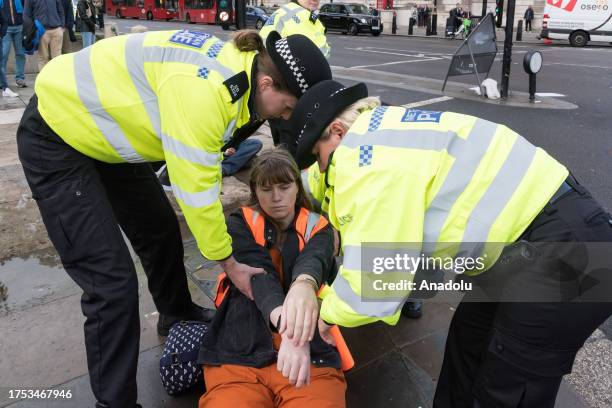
(454, 89)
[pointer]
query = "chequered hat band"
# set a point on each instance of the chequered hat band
(282, 48)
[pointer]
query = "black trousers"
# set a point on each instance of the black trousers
(83, 202)
(514, 354)
(527, 25)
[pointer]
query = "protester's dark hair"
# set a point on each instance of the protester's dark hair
(250, 40)
(276, 167)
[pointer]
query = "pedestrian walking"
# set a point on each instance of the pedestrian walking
(98, 118)
(50, 13)
(12, 16)
(99, 13)
(68, 36)
(455, 15)
(86, 22)
(436, 184)
(528, 18)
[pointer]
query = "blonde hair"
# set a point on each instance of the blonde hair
(348, 116)
(250, 40)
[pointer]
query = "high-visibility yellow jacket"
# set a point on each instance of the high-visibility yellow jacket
(426, 178)
(291, 19)
(175, 96)
(314, 185)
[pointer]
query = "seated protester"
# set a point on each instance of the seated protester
(246, 362)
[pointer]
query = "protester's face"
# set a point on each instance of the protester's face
(323, 148)
(311, 5)
(272, 103)
(278, 200)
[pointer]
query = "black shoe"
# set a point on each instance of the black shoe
(413, 309)
(197, 313)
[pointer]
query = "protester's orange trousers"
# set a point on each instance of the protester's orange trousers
(234, 386)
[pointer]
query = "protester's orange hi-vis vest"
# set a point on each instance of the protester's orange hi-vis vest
(307, 225)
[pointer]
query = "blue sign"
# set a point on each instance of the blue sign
(415, 115)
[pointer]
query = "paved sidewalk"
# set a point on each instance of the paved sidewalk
(528, 37)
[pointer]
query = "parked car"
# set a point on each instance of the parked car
(351, 18)
(255, 17)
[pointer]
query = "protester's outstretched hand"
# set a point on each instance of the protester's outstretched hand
(240, 275)
(300, 312)
(294, 362)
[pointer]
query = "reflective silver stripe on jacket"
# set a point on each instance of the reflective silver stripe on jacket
(498, 195)
(191, 154)
(135, 66)
(174, 54)
(313, 220)
(360, 304)
(199, 199)
(88, 93)
(286, 17)
(408, 139)
(468, 156)
(254, 217)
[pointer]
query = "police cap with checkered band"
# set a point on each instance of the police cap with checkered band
(299, 61)
(315, 111)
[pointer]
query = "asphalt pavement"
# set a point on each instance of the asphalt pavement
(397, 366)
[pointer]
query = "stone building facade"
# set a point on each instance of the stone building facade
(444, 7)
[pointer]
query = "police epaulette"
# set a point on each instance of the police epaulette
(237, 85)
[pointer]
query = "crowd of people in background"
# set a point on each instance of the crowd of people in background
(57, 17)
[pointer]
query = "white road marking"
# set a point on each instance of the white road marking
(362, 49)
(11, 116)
(578, 65)
(423, 53)
(394, 63)
(550, 94)
(427, 102)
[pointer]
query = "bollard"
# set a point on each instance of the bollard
(519, 31)
(411, 26)
(394, 23)
(434, 24)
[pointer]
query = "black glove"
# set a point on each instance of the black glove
(71, 35)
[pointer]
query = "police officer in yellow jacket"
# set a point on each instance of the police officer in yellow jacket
(428, 183)
(98, 117)
(295, 17)
(298, 17)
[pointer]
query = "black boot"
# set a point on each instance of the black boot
(197, 313)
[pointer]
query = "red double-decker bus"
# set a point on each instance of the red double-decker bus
(149, 9)
(198, 11)
(206, 12)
